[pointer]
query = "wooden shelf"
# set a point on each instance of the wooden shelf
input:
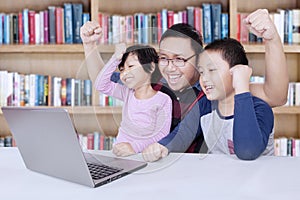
(260, 48)
(287, 110)
(101, 110)
(109, 48)
(86, 119)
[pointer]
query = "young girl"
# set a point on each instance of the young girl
(146, 114)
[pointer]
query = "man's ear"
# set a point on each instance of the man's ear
(152, 67)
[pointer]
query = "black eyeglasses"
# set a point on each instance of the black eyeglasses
(178, 62)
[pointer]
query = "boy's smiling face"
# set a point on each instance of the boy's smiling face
(215, 78)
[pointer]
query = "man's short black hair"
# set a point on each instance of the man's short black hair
(184, 30)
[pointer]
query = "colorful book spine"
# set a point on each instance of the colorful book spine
(59, 25)
(207, 26)
(6, 30)
(68, 23)
(1, 27)
(77, 22)
(31, 17)
(46, 27)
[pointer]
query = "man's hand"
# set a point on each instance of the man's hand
(123, 149)
(240, 78)
(154, 152)
(90, 33)
(260, 23)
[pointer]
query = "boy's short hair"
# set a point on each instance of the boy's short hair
(147, 56)
(231, 50)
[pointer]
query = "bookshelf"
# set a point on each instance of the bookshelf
(63, 60)
(49, 59)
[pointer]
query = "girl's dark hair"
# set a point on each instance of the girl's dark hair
(183, 30)
(146, 55)
(231, 50)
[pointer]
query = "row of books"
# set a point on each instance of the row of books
(287, 147)
(90, 141)
(148, 27)
(43, 90)
(287, 22)
(105, 100)
(293, 98)
(96, 141)
(56, 25)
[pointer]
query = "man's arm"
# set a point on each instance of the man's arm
(274, 90)
(90, 34)
(182, 136)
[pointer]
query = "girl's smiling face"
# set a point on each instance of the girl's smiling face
(132, 73)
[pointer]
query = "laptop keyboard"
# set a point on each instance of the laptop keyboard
(100, 171)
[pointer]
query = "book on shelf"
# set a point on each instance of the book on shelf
(77, 21)
(296, 26)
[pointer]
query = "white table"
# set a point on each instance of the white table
(179, 176)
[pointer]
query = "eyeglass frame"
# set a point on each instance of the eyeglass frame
(173, 59)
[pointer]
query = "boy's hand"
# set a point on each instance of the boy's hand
(260, 23)
(119, 50)
(90, 33)
(240, 78)
(154, 152)
(123, 149)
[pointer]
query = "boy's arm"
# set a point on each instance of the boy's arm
(274, 90)
(253, 123)
(90, 34)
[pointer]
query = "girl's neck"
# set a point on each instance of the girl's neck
(144, 92)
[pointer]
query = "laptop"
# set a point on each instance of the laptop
(48, 144)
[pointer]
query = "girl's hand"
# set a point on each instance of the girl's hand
(90, 33)
(119, 50)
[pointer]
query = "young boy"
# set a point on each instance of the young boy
(146, 114)
(237, 122)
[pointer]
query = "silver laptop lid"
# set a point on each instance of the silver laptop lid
(48, 142)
